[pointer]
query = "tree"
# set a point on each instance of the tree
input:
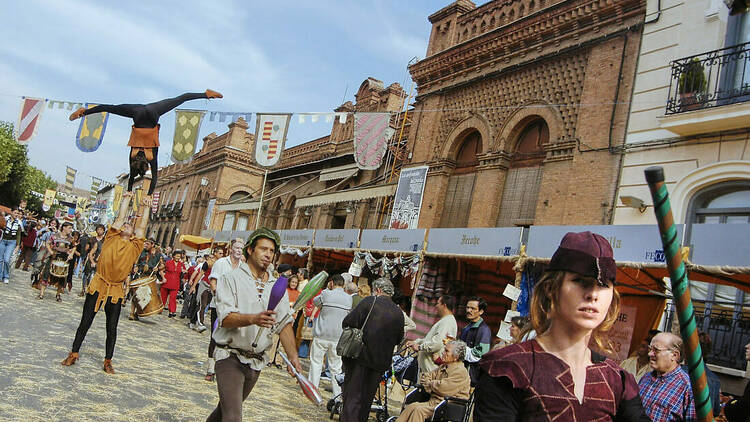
(17, 177)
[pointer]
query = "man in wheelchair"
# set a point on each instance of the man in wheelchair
(449, 382)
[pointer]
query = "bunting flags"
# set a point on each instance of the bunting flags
(28, 119)
(270, 135)
(70, 178)
(49, 198)
(187, 127)
(155, 201)
(95, 183)
(314, 117)
(371, 136)
(116, 199)
(233, 114)
(91, 130)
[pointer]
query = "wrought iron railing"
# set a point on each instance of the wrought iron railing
(710, 79)
(729, 331)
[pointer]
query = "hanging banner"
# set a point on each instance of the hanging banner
(622, 332)
(82, 203)
(28, 119)
(270, 135)
(95, 183)
(209, 213)
(91, 130)
(155, 202)
(186, 129)
(407, 202)
(70, 178)
(49, 198)
(371, 136)
(116, 199)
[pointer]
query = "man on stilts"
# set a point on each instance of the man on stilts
(120, 250)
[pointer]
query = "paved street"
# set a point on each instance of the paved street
(159, 364)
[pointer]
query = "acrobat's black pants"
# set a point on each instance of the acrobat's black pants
(112, 310)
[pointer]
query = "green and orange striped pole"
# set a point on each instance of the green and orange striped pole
(681, 292)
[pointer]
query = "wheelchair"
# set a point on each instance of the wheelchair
(451, 409)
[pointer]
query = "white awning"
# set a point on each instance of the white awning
(337, 173)
(349, 195)
(240, 206)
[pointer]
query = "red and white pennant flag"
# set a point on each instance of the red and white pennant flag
(155, 202)
(28, 121)
(270, 135)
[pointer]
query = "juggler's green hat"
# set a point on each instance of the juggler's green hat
(265, 233)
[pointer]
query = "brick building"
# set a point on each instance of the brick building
(521, 107)
(222, 170)
(318, 185)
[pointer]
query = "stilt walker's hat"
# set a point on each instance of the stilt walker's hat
(587, 254)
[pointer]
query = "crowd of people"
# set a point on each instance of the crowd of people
(226, 292)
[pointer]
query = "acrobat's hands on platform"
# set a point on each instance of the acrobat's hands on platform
(77, 114)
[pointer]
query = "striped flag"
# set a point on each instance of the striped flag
(270, 135)
(70, 178)
(28, 120)
(95, 183)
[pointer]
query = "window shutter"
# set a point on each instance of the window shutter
(520, 195)
(458, 200)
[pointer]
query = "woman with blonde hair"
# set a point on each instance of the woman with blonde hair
(563, 372)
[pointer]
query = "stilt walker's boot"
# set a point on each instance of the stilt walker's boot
(70, 360)
(210, 374)
(212, 94)
(77, 114)
(108, 366)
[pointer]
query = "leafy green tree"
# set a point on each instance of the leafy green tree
(17, 177)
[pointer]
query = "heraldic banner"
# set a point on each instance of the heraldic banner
(116, 199)
(187, 126)
(91, 130)
(270, 135)
(70, 178)
(28, 120)
(95, 183)
(371, 136)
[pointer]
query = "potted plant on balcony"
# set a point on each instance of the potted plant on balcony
(691, 85)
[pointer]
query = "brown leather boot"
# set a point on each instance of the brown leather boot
(108, 366)
(77, 114)
(212, 94)
(71, 359)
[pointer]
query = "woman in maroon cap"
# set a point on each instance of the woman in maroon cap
(557, 375)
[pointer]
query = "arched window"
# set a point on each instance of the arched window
(524, 176)
(461, 183)
(236, 220)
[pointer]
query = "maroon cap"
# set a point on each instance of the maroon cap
(587, 254)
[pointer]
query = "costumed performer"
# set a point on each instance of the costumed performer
(556, 375)
(56, 248)
(242, 297)
(120, 250)
(144, 136)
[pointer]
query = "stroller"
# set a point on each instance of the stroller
(403, 367)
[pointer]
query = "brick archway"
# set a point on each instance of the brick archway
(517, 122)
(475, 122)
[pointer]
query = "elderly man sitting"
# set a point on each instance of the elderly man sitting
(450, 379)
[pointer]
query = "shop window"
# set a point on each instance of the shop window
(461, 183)
(524, 177)
(228, 221)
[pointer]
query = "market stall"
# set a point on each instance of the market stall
(296, 247)
(333, 250)
(465, 263)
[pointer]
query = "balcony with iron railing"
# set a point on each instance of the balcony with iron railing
(709, 91)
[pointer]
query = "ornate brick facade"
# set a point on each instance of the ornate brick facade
(564, 67)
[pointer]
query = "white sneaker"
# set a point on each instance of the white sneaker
(5, 281)
(201, 328)
(191, 325)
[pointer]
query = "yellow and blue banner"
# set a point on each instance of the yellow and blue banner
(91, 130)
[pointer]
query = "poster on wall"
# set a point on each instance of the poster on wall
(622, 332)
(209, 213)
(408, 200)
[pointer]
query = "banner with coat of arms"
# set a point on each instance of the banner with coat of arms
(270, 135)
(91, 130)
(371, 136)
(186, 128)
(49, 199)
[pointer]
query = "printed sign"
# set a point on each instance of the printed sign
(501, 241)
(636, 243)
(296, 237)
(338, 239)
(622, 332)
(393, 240)
(408, 199)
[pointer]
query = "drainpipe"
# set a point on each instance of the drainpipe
(658, 13)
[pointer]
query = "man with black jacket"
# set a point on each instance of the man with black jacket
(383, 331)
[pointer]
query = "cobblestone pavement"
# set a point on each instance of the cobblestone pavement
(158, 360)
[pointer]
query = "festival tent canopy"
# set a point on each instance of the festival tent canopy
(195, 242)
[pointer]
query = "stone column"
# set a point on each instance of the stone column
(488, 189)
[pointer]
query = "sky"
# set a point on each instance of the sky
(286, 56)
